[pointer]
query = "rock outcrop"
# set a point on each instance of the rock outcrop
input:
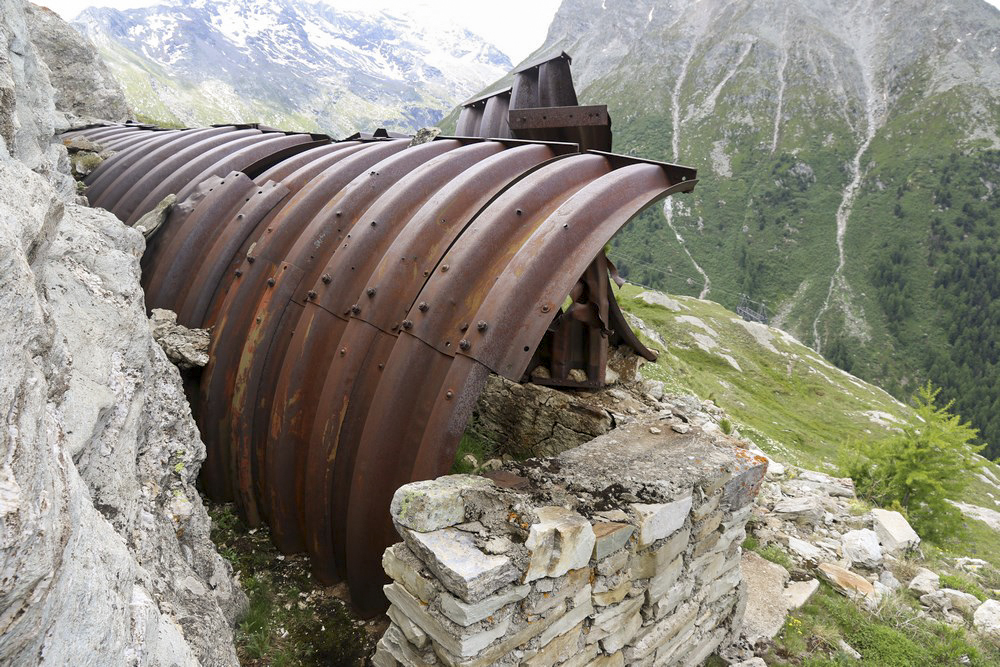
(84, 86)
(104, 542)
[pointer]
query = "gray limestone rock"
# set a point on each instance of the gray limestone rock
(106, 532)
(105, 543)
(84, 86)
(188, 348)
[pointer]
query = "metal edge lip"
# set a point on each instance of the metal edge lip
(485, 96)
(541, 60)
(620, 159)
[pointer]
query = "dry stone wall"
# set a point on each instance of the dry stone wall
(623, 551)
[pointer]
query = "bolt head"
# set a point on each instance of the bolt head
(407, 324)
(311, 294)
(423, 307)
(270, 282)
(482, 325)
(356, 309)
(371, 292)
(464, 344)
(326, 278)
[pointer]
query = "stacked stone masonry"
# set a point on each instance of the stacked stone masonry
(623, 551)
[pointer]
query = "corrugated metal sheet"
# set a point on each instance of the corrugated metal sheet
(361, 292)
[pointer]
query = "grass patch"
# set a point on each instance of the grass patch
(962, 583)
(470, 444)
(771, 552)
(892, 636)
(292, 621)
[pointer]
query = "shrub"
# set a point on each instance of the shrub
(921, 468)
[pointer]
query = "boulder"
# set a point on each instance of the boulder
(965, 603)
(894, 531)
(804, 550)
(887, 579)
(806, 510)
(987, 620)
(861, 548)
(924, 582)
(188, 348)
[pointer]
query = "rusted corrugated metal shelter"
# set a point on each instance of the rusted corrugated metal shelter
(360, 293)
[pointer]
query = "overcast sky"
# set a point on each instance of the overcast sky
(517, 27)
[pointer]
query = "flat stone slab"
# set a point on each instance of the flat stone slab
(434, 504)
(798, 593)
(658, 520)
(455, 560)
(846, 582)
(766, 605)
(561, 541)
(610, 538)
(464, 613)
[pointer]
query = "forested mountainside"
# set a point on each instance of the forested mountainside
(850, 170)
(294, 64)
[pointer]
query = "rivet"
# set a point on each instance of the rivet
(565, 226)
(381, 366)
(371, 292)
(374, 223)
(482, 325)
(545, 308)
(258, 319)
(518, 211)
(356, 309)
(449, 394)
(444, 268)
(464, 344)
(326, 278)
(270, 282)
(311, 294)
(464, 327)
(337, 214)
(343, 351)
(239, 273)
(423, 306)
(250, 259)
(407, 324)
(239, 216)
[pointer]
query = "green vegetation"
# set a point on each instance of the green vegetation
(791, 402)
(771, 552)
(963, 583)
(891, 636)
(291, 621)
(919, 469)
(470, 444)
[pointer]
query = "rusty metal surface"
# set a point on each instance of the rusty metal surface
(361, 293)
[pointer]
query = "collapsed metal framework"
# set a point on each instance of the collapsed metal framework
(360, 293)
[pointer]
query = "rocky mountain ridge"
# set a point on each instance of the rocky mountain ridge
(295, 64)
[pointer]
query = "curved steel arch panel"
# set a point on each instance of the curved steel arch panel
(361, 293)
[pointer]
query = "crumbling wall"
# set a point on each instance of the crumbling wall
(624, 550)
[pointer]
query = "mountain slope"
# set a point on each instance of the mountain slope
(849, 165)
(780, 394)
(290, 63)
